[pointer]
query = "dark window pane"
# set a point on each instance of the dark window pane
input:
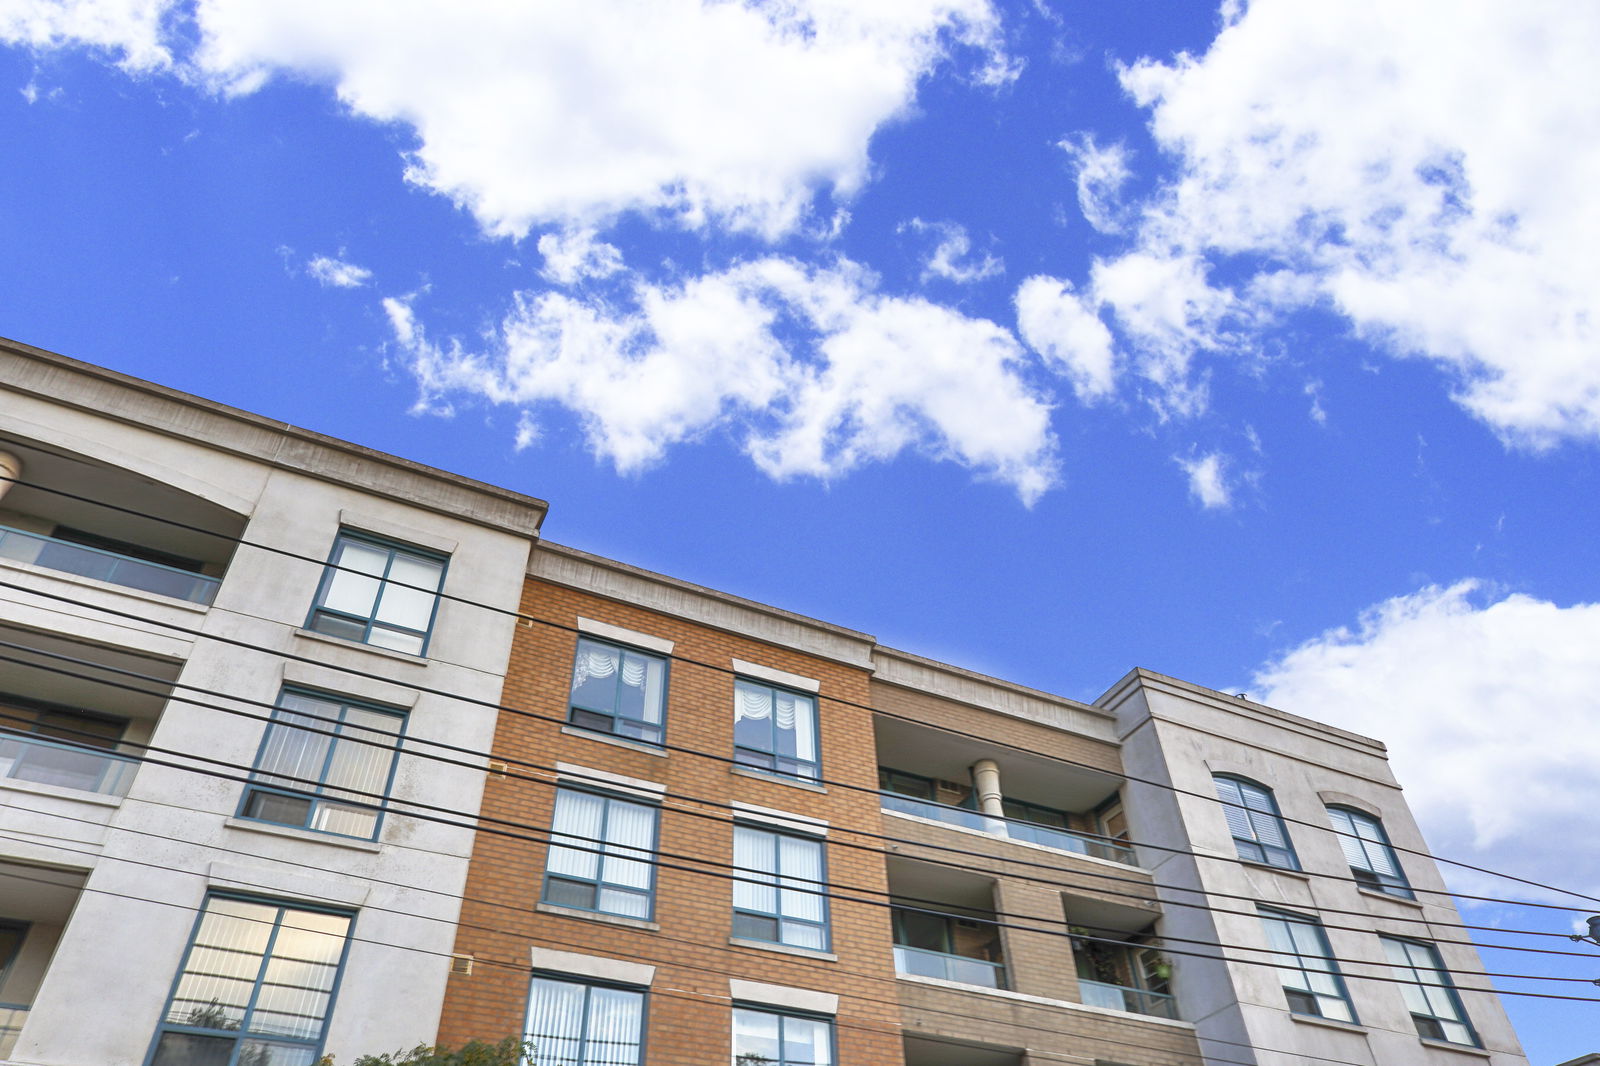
(336, 626)
(755, 927)
(569, 893)
(187, 1049)
(273, 807)
(589, 720)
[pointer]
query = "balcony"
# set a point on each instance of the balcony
(944, 925)
(102, 564)
(74, 717)
(36, 903)
(71, 515)
(1012, 828)
(1126, 998)
(931, 1050)
(944, 966)
(1118, 964)
(64, 764)
(12, 1015)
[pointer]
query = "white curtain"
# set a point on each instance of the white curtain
(578, 816)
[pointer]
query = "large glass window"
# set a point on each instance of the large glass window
(618, 690)
(775, 728)
(573, 1023)
(766, 1038)
(1253, 818)
(778, 894)
(256, 986)
(306, 777)
(1435, 1007)
(1311, 980)
(1366, 849)
(602, 854)
(378, 593)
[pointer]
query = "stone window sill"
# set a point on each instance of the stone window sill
(595, 916)
(782, 779)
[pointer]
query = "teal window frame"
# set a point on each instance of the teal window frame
(1253, 818)
(784, 1017)
(610, 720)
(1368, 851)
(243, 1031)
(1429, 995)
(329, 620)
(1311, 957)
(785, 925)
(317, 796)
(769, 757)
(585, 1055)
(602, 849)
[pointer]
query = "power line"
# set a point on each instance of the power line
(834, 699)
(658, 859)
(690, 751)
(382, 802)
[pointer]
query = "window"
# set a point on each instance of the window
(12, 934)
(782, 901)
(1311, 980)
(573, 1023)
(1253, 819)
(602, 854)
(257, 985)
(378, 593)
(1435, 1008)
(618, 690)
(1367, 850)
(774, 728)
(766, 1038)
(330, 783)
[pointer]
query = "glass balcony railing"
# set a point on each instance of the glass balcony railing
(108, 566)
(1028, 832)
(1132, 1000)
(12, 1015)
(51, 762)
(961, 969)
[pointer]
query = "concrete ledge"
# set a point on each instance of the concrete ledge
(783, 996)
(598, 966)
(1445, 1045)
(782, 779)
(607, 631)
(620, 742)
(310, 836)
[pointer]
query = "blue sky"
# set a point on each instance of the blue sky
(1254, 346)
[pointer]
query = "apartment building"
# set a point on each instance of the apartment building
(226, 647)
(307, 750)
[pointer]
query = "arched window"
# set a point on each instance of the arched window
(1366, 849)
(1253, 818)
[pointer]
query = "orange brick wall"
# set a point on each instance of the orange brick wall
(689, 1011)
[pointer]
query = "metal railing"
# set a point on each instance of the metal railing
(12, 1015)
(84, 561)
(1133, 1000)
(1028, 832)
(919, 962)
(24, 757)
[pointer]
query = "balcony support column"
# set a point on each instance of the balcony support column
(10, 471)
(986, 782)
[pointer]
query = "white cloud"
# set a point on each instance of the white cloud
(1059, 324)
(949, 258)
(1424, 169)
(130, 29)
(1101, 172)
(856, 376)
(574, 255)
(1208, 482)
(337, 273)
(574, 111)
(1488, 705)
(1169, 311)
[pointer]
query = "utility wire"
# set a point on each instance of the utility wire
(658, 859)
(690, 751)
(520, 615)
(388, 743)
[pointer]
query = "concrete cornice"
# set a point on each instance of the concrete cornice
(1139, 677)
(108, 394)
(638, 587)
(991, 693)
